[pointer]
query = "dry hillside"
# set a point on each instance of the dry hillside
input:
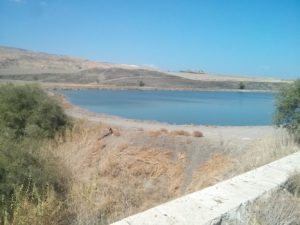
(24, 65)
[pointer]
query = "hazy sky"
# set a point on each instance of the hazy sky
(250, 37)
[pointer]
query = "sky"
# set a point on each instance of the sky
(233, 37)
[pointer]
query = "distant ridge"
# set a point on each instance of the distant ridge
(25, 65)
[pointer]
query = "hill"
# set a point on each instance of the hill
(24, 65)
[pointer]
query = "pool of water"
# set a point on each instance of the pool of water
(180, 107)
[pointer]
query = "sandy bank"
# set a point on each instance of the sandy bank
(243, 133)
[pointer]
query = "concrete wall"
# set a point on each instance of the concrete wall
(212, 205)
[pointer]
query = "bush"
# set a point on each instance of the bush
(288, 109)
(242, 86)
(197, 134)
(22, 164)
(28, 117)
(141, 84)
(29, 111)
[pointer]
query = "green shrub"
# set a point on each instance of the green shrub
(141, 84)
(22, 164)
(28, 111)
(288, 109)
(28, 118)
(242, 86)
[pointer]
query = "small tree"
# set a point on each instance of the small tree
(287, 112)
(242, 86)
(141, 84)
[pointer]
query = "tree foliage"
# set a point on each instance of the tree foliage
(29, 111)
(28, 117)
(288, 109)
(242, 86)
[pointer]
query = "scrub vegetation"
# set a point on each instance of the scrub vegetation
(31, 187)
(57, 171)
(288, 109)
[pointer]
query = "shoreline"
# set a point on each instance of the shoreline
(73, 86)
(244, 133)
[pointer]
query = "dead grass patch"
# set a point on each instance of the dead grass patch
(264, 151)
(279, 208)
(115, 177)
(164, 130)
(112, 178)
(293, 185)
(129, 180)
(180, 133)
(155, 133)
(197, 134)
(211, 172)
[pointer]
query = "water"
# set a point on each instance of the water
(180, 107)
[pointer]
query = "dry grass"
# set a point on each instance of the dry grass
(293, 184)
(211, 172)
(197, 134)
(156, 133)
(131, 180)
(264, 151)
(35, 209)
(180, 133)
(227, 164)
(164, 130)
(281, 208)
(112, 178)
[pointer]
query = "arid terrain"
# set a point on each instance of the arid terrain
(118, 167)
(70, 72)
(123, 166)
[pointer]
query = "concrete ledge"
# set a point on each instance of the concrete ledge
(210, 205)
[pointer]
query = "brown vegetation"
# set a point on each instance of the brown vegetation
(155, 133)
(197, 134)
(280, 207)
(113, 179)
(211, 172)
(118, 175)
(180, 133)
(164, 130)
(264, 151)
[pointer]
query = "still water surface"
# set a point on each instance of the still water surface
(180, 107)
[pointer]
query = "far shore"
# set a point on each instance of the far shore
(73, 86)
